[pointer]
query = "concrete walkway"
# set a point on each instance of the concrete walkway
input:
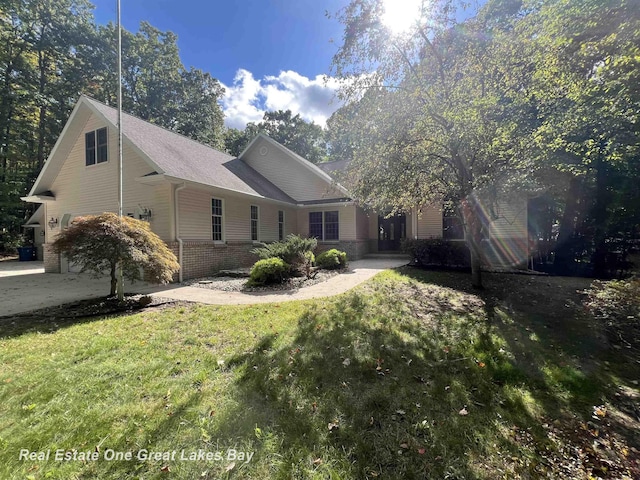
(25, 287)
(359, 271)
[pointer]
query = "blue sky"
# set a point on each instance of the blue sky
(269, 54)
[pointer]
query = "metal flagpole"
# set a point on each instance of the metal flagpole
(120, 207)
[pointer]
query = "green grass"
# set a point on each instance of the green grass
(370, 384)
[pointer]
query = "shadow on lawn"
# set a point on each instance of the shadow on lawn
(424, 383)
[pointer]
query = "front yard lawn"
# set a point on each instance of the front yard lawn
(409, 376)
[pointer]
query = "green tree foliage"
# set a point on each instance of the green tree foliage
(302, 137)
(156, 85)
(99, 242)
(519, 96)
(50, 53)
(584, 88)
(434, 112)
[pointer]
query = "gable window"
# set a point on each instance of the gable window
(280, 225)
(96, 146)
(324, 225)
(452, 228)
(216, 219)
(254, 223)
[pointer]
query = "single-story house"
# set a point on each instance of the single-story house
(211, 208)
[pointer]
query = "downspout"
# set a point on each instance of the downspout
(177, 218)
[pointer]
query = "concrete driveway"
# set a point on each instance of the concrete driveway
(24, 287)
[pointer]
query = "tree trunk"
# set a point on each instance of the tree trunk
(599, 215)
(564, 255)
(473, 227)
(114, 280)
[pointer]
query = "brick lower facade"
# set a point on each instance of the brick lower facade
(201, 258)
(51, 259)
(355, 249)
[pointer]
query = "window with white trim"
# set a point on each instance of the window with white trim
(255, 215)
(95, 143)
(216, 219)
(280, 225)
(324, 225)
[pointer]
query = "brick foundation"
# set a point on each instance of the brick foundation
(51, 259)
(355, 249)
(203, 258)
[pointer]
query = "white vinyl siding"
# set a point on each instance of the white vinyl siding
(90, 191)
(195, 217)
(297, 181)
(429, 222)
(511, 221)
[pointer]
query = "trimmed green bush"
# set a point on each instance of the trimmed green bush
(332, 259)
(437, 252)
(269, 270)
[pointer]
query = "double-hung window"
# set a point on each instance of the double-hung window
(324, 225)
(280, 225)
(254, 222)
(95, 143)
(216, 219)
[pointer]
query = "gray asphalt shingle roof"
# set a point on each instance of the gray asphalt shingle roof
(183, 158)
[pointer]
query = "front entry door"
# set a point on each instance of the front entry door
(390, 231)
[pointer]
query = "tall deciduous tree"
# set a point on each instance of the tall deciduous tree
(434, 112)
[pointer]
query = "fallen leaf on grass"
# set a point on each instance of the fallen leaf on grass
(317, 461)
(230, 467)
(599, 411)
(404, 445)
(464, 411)
(421, 451)
(165, 469)
(346, 362)
(332, 426)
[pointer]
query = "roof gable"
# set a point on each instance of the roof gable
(166, 152)
(299, 178)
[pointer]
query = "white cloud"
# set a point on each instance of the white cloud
(247, 99)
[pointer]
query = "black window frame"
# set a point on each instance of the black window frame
(325, 226)
(96, 147)
(280, 225)
(255, 222)
(217, 219)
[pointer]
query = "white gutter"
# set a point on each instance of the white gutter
(177, 218)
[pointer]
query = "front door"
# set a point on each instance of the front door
(390, 231)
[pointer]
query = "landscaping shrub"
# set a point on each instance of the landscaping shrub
(332, 259)
(100, 242)
(269, 270)
(291, 250)
(617, 304)
(437, 252)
